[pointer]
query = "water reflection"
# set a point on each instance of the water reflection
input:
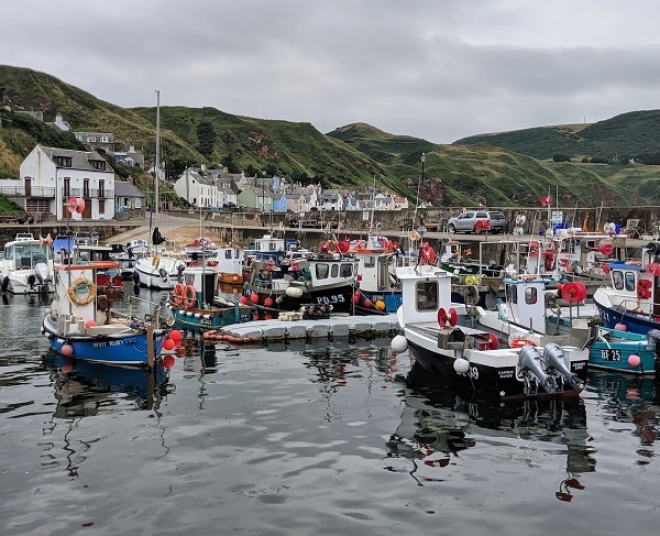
(83, 389)
(439, 421)
(335, 365)
(632, 400)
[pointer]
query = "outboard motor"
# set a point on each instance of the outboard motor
(42, 273)
(553, 355)
(163, 274)
(532, 368)
(179, 270)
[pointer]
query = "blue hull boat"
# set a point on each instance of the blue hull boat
(81, 324)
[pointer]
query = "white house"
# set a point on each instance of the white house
(49, 176)
(198, 189)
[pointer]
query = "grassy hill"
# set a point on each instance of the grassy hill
(506, 169)
(625, 136)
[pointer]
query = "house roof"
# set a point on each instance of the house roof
(79, 159)
(126, 189)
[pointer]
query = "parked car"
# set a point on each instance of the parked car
(471, 221)
(497, 221)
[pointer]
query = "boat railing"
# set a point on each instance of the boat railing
(148, 312)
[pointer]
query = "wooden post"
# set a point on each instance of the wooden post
(151, 353)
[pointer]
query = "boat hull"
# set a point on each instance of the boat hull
(498, 381)
(204, 319)
(127, 350)
(611, 316)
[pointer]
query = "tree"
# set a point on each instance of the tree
(560, 157)
(206, 136)
(228, 162)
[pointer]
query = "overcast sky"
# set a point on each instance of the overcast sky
(435, 69)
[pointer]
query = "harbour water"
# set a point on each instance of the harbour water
(304, 440)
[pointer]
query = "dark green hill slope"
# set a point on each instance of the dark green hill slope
(625, 136)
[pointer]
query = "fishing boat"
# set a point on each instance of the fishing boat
(273, 248)
(631, 301)
(324, 280)
(26, 266)
(379, 290)
(81, 323)
(200, 248)
(194, 305)
(227, 261)
(161, 269)
(471, 356)
(531, 313)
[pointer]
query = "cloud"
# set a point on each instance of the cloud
(436, 70)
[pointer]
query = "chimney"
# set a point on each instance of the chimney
(129, 179)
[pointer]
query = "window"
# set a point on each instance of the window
(322, 270)
(531, 295)
(630, 280)
(101, 188)
(228, 254)
(66, 190)
(369, 262)
(85, 187)
(617, 279)
(511, 294)
(334, 271)
(346, 270)
(427, 296)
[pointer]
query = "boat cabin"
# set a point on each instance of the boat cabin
(227, 260)
(423, 296)
(25, 254)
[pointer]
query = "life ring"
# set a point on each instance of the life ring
(191, 296)
(179, 294)
(155, 261)
(470, 280)
(546, 201)
(529, 277)
(520, 220)
(414, 236)
(606, 249)
(519, 342)
(480, 226)
(82, 291)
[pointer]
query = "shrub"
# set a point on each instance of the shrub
(561, 157)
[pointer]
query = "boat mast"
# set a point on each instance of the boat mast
(157, 160)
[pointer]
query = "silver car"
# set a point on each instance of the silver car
(471, 221)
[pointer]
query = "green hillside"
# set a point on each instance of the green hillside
(509, 169)
(626, 136)
(294, 150)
